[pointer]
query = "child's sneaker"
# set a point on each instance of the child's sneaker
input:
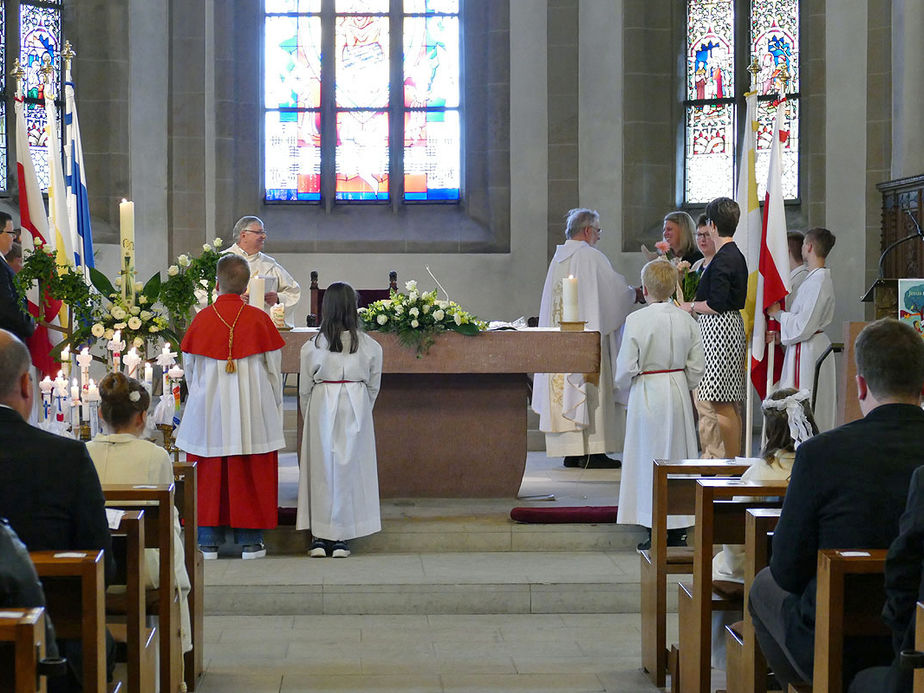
(318, 549)
(253, 551)
(340, 549)
(209, 553)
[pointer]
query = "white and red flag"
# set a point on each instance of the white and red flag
(773, 264)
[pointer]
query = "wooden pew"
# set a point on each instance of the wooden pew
(75, 600)
(747, 670)
(673, 493)
(126, 598)
(719, 520)
(22, 647)
(919, 645)
(185, 499)
(157, 501)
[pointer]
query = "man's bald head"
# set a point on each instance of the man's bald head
(14, 366)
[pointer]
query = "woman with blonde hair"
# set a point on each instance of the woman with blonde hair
(678, 231)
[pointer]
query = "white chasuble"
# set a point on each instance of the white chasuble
(801, 332)
(581, 416)
(338, 485)
(660, 361)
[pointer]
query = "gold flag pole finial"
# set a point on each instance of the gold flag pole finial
(754, 69)
(784, 81)
(68, 54)
(18, 74)
(46, 68)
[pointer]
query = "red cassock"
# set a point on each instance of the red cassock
(239, 490)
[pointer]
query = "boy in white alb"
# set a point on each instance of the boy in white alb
(802, 329)
(660, 361)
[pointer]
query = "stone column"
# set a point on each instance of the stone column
(907, 94)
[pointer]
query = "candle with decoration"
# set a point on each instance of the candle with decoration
(127, 242)
(165, 360)
(60, 396)
(149, 377)
(66, 361)
(176, 375)
(115, 346)
(93, 399)
(47, 386)
(75, 407)
(83, 360)
(132, 361)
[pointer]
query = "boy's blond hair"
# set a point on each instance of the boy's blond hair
(660, 279)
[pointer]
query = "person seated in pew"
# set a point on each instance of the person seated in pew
(788, 422)
(122, 457)
(659, 362)
(49, 490)
(847, 489)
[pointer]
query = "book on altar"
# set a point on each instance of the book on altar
(911, 303)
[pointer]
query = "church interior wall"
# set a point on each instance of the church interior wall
(591, 121)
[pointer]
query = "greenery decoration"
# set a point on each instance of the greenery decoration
(189, 282)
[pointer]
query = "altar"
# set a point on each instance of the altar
(452, 423)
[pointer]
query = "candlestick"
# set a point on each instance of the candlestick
(569, 299)
(257, 292)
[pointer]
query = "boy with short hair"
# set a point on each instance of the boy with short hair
(660, 361)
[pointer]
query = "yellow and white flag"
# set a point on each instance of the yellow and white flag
(747, 235)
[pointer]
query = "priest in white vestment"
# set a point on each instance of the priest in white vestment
(232, 423)
(578, 414)
(660, 361)
(282, 287)
(802, 329)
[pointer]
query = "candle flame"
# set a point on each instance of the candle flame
(570, 276)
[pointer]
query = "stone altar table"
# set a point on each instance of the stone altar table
(452, 424)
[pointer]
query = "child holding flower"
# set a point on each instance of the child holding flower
(341, 368)
(659, 362)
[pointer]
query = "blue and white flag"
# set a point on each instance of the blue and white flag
(78, 206)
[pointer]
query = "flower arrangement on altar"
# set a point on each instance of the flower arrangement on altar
(417, 317)
(689, 280)
(133, 312)
(190, 281)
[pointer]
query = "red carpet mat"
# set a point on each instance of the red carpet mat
(550, 516)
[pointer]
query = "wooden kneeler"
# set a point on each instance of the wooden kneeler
(673, 493)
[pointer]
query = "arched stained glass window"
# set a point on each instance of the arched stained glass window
(723, 37)
(37, 30)
(334, 127)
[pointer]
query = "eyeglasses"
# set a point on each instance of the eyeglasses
(12, 233)
(261, 232)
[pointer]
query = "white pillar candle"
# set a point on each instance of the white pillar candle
(115, 346)
(257, 292)
(132, 361)
(47, 387)
(66, 360)
(569, 299)
(127, 229)
(83, 360)
(93, 399)
(75, 408)
(148, 377)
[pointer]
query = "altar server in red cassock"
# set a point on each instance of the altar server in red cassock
(232, 424)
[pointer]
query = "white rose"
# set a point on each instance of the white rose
(217, 242)
(117, 312)
(38, 242)
(414, 323)
(146, 315)
(139, 286)
(142, 299)
(414, 296)
(137, 342)
(438, 314)
(98, 330)
(411, 285)
(153, 328)
(173, 270)
(108, 334)
(134, 323)
(117, 281)
(414, 312)
(135, 310)
(457, 318)
(443, 304)
(183, 260)
(381, 318)
(426, 308)
(398, 309)
(119, 325)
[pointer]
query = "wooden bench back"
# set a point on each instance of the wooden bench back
(185, 480)
(75, 600)
(22, 646)
(758, 535)
(128, 550)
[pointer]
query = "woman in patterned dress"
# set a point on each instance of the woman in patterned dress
(719, 299)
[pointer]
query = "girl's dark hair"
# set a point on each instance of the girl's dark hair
(338, 313)
(118, 405)
(777, 425)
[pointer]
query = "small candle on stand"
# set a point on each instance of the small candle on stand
(165, 360)
(75, 407)
(60, 394)
(569, 299)
(46, 386)
(148, 377)
(93, 399)
(84, 360)
(66, 361)
(176, 375)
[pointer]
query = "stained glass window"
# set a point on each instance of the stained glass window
(711, 127)
(330, 124)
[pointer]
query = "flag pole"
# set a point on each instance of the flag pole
(754, 69)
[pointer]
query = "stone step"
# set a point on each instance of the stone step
(515, 582)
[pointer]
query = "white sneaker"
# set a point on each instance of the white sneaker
(209, 553)
(340, 549)
(318, 549)
(253, 551)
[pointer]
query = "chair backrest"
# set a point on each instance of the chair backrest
(366, 296)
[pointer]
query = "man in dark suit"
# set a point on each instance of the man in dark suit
(13, 316)
(847, 491)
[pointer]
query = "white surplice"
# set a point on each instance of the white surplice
(338, 485)
(660, 423)
(121, 458)
(236, 413)
(801, 332)
(262, 265)
(797, 275)
(577, 416)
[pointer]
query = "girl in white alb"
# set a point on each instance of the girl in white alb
(338, 488)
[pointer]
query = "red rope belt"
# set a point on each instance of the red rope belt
(340, 382)
(799, 359)
(672, 370)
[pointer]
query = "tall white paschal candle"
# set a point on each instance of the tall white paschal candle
(257, 292)
(569, 299)
(127, 228)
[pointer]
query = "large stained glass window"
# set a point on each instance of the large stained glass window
(723, 38)
(334, 127)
